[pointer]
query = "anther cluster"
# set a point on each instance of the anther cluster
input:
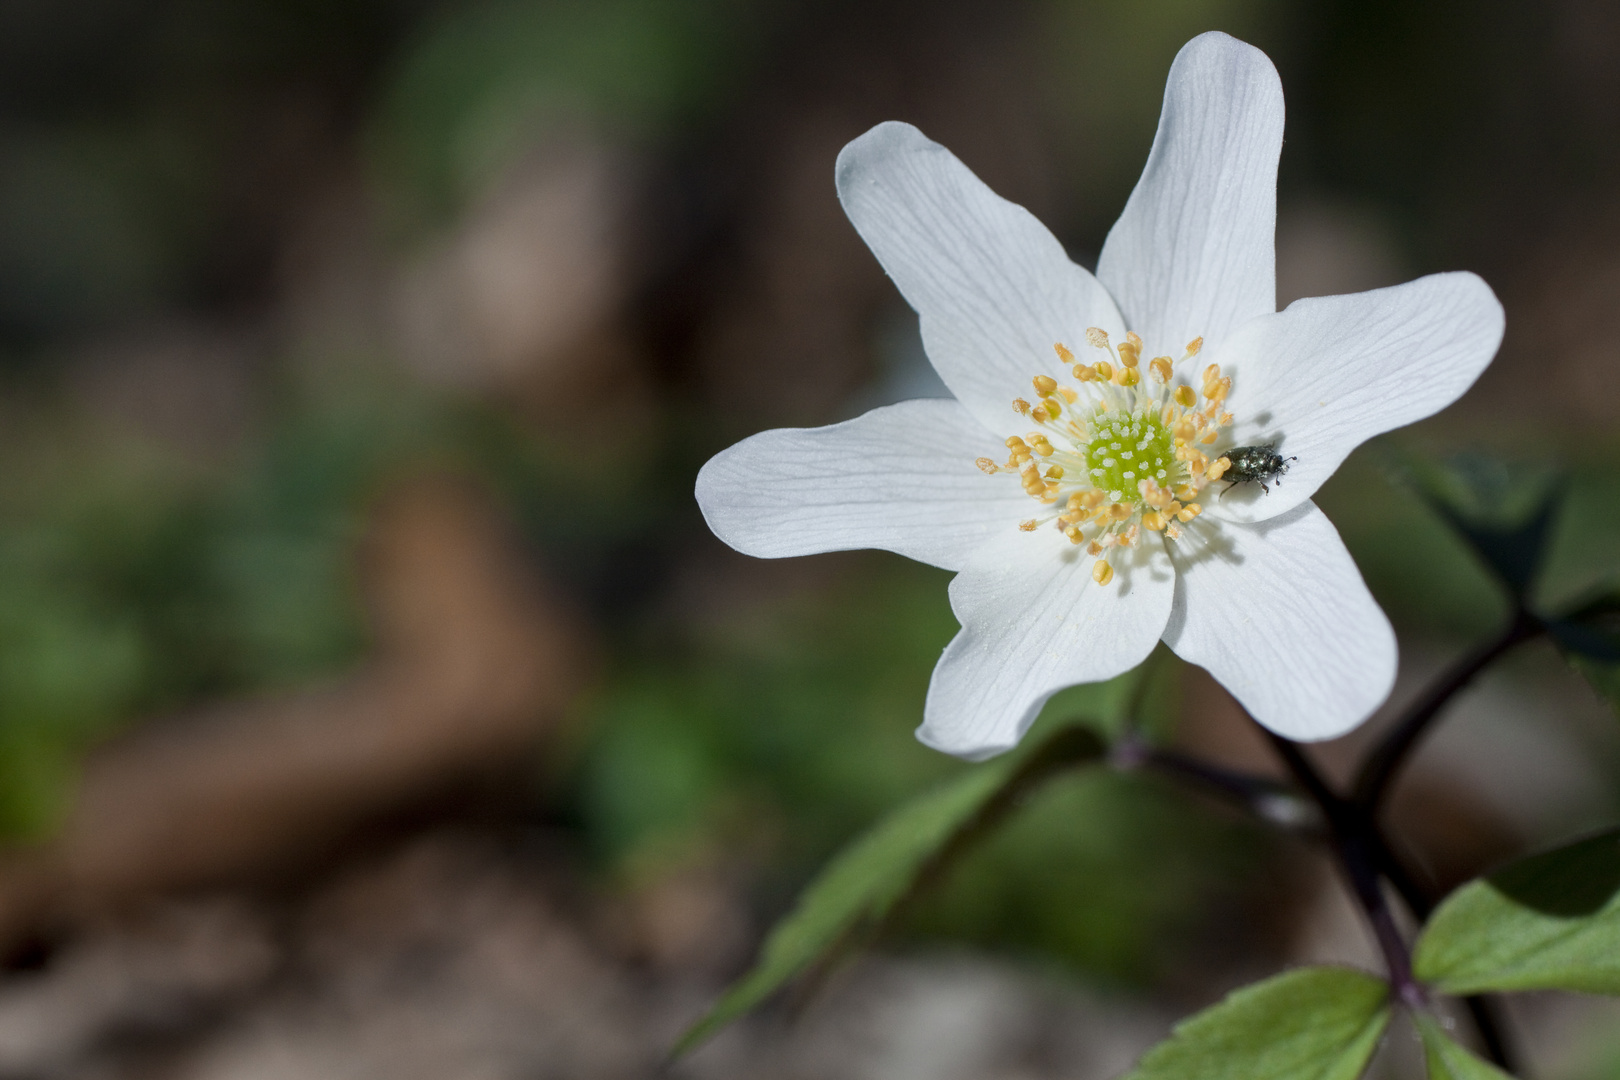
(1120, 453)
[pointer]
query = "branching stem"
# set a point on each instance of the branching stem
(1269, 800)
(1383, 764)
(1359, 852)
(1421, 905)
(1351, 822)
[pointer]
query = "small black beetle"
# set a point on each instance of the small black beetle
(1258, 463)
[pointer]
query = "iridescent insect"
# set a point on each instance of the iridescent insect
(1256, 463)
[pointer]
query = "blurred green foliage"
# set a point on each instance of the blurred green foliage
(131, 588)
(873, 877)
(790, 734)
(1109, 874)
(67, 670)
(484, 83)
(793, 730)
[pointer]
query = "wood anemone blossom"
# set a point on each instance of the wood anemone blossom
(1102, 406)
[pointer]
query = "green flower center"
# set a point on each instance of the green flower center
(1127, 448)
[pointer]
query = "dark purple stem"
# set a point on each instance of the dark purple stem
(1359, 853)
(1383, 764)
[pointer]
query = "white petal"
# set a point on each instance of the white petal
(901, 478)
(1194, 253)
(1034, 622)
(1329, 373)
(1278, 613)
(992, 286)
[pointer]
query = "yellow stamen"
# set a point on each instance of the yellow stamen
(1194, 345)
(1129, 486)
(1219, 466)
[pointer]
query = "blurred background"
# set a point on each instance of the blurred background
(374, 702)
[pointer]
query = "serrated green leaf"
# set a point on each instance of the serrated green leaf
(864, 882)
(1450, 1061)
(1548, 922)
(1316, 1023)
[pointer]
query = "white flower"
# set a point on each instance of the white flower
(1070, 574)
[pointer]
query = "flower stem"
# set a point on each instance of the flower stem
(1364, 859)
(1359, 853)
(1383, 764)
(1268, 800)
(1418, 901)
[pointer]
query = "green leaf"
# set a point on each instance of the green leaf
(1585, 640)
(1316, 1023)
(866, 881)
(1548, 922)
(1590, 631)
(1503, 510)
(1589, 635)
(1450, 1061)
(1604, 678)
